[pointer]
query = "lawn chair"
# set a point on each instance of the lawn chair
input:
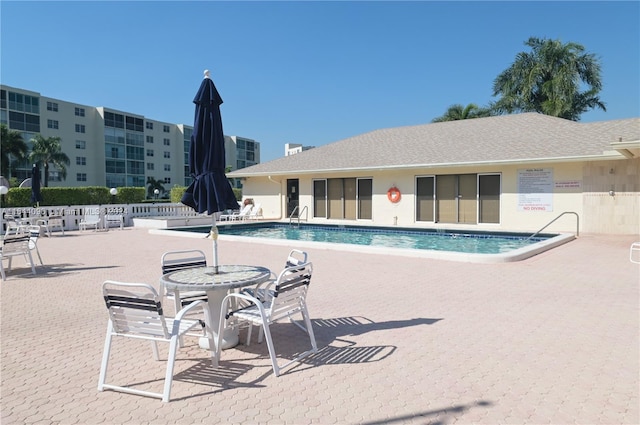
(237, 216)
(634, 249)
(172, 261)
(256, 212)
(263, 291)
(90, 220)
(290, 292)
(135, 311)
(34, 234)
(12, 246)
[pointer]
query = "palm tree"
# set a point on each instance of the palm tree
(548, 80)
(11, 146)
(459, 112)
(48, 151)
(152, 185)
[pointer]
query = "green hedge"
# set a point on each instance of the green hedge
(177, 192)
(88, 195)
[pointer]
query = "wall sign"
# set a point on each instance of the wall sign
(535, 189)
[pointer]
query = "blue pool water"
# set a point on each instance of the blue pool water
(421, 239)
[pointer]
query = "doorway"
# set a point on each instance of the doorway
(293, 194)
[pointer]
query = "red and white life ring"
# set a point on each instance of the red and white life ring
(394, 194)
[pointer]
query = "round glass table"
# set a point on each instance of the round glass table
(216, 285)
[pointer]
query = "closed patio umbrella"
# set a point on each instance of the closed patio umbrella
(36, 196)
(210, 191)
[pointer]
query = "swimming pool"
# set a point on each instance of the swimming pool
(476, 246)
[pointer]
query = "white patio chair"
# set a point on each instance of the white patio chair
(263, 290)
(12, 246)
(34, 234)
(290, 292)
(90, 220)
(173, 261)
(55, 221)
(116, 219)
(634, 249)
(135, 311)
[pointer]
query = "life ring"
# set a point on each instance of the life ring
(394, 194)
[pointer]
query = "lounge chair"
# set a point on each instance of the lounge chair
(237, 216)
(256, 212)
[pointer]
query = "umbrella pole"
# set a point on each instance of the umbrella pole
(213, 234)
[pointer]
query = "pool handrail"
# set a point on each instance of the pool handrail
(304, 209)
(549, 223)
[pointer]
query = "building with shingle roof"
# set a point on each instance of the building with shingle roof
(511, 172)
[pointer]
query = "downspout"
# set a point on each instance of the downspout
(279, 195)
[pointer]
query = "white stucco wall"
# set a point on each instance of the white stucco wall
(579, 187)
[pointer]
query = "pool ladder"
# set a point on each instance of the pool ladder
(304, 210)
(549, 223)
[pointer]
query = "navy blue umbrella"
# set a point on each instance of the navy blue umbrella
(36, 196)
(210, 191)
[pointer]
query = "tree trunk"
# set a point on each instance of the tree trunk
(46, 174)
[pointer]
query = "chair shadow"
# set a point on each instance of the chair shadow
(448, 413)
(55, 270)
(358, 325)
(333, 350)
(225, 377)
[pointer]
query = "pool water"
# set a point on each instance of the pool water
(420, 239)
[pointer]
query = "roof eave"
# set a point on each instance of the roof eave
(615, 154)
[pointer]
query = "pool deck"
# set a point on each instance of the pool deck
(402, 340)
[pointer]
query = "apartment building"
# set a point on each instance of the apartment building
(108, 147)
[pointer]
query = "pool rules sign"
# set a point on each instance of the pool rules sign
(535, 189)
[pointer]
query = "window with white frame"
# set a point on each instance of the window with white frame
(148, 125)
(81, 144)
(167, 142)
(166, 128)
(81, 160)
(81, 177)
(52, 124)
(149, 152)
(150, 166)
(167, 154)
(52, 106)
(167, 167)
(79, 112)
(80, 128)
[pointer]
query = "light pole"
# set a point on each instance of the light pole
(3, 191)
(113, 191)
(156, 192)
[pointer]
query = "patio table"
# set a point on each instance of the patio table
(216, 286)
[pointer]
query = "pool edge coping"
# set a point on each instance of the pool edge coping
(518, 254)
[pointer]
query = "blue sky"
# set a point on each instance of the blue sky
(303, 72)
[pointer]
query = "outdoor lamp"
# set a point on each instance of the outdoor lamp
(4, 190)
(156, 192)
(113, 191)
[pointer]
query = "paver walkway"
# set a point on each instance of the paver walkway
(552, 339)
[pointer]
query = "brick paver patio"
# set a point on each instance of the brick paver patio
(552, 339)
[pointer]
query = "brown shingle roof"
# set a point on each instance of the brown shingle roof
(519, 137)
